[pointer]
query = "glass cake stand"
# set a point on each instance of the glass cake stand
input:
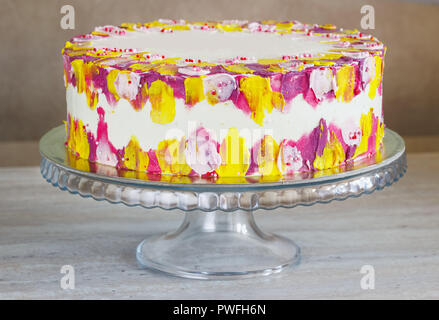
(219, 238)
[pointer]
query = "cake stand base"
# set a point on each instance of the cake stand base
(218, 245)
(219, 238)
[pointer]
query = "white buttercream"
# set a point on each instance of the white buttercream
(368, 70)
(321, 81)
(214, 45)
(351, 134)
(127, 85)
(124, 121)
(193, 71)
(104, 154)
(201, 152)
(220, 84)
(289, 159)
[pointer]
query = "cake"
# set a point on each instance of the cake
(222, 99)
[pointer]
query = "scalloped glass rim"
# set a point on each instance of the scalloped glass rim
(169, 253)
(227, 198)
(52, 148)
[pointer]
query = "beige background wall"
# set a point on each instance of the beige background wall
(32, 97)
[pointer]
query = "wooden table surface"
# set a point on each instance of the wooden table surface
(395, 230)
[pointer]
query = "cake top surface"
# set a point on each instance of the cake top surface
(237, 46)
(214, 45)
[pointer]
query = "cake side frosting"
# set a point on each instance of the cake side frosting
(309, 99)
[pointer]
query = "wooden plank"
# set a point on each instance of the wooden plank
(395, 230)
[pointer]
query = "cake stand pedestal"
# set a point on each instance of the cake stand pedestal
(219, 238)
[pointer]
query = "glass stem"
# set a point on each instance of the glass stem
(241, 222)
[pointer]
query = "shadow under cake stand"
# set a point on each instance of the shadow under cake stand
(219, 238)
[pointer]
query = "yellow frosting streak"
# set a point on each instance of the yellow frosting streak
(143, 66)
(180, 28)
(328, 26)
(193, 89)
(366, 123)
(77, 50)
(235, 157)
(74, 160)
(170, 60)
(103, 54)
(284, 26)
(78, 70)
(212, 99)
(270, 61)
(277, 68)
(277, 100)
(379, 136)
(92, 98)
(77, 162)
(345, 83)
(162, 102)
(130, 26)
(84, 72)
(155, 24)
(374, 84)
(111, 79)
(333, 154)
(78, 140)
(323, 63)
(267, 157)
(229, 27)
(134, 157)
(238, 68)
(259, 95)
(204, 64)
(171, 158)
(166, 69)
(143, 97)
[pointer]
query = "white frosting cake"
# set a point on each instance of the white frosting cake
(224, 99)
